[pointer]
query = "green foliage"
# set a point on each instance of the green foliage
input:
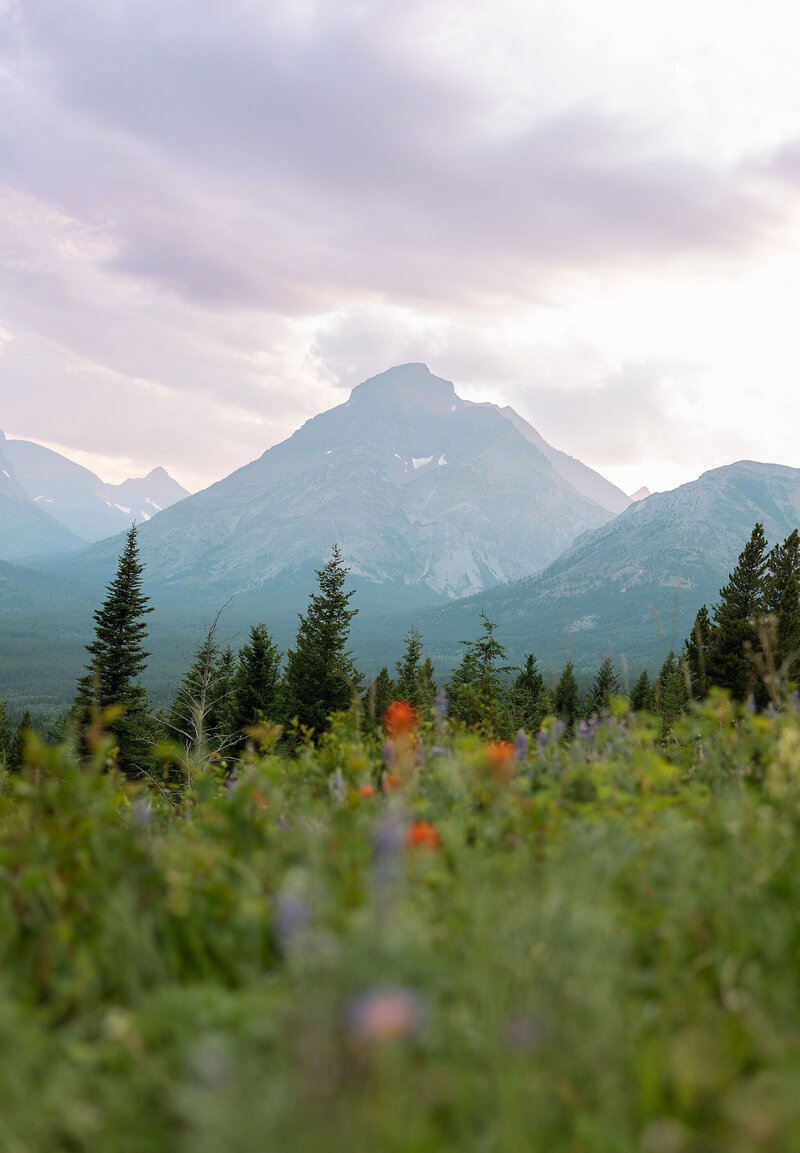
(202, 716)
(642, 695)
(257, 679)
(566, 699)
(604, 686)
(321, 677)
(477, 686)
(118, 658)
(695, 653)
(296, 961)
(380, 693)
(5, 734)
(16, 747)
(415, 682)
(529, 700)
(736, 617)
(670, 692)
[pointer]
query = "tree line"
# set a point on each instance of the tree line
(747, 643)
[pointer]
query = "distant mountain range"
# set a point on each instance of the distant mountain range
(632, 587)
(430, 498)
(51, 505)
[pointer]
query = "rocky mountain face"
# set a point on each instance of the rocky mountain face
(25, 529)
(77, 499)
(429, 498)
(632, 587)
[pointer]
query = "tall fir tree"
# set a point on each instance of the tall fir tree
(378, 695)
(566, 698)
(642, 696)
(16, 750)
(670, 692)
(408, 668)
(737, 617)
(782, 602)
(476, 688)
(258, 677)
(321, 676)
(696, 648)
(604, 686)
(118, 659)
(6, 736)
(530, 700)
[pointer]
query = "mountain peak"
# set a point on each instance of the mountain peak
(408, 384)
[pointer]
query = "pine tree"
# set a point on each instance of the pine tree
(380, 693)
(670, 692)
(321, 677)
(736, 620)
(257, 679)
(696, 648)
(426, 687)
(117, 660)
(530, 700)
(604, 686)
(5, 734)
(566, 699)
(408, 668)
(782, 601)
(16, 751)
(642, 696)
(476, 687)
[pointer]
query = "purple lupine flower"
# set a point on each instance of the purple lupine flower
(542, 738)
(583, 732)
(559, 728)
(438, 751)
(521, 747)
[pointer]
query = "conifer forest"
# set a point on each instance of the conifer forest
(295, 908)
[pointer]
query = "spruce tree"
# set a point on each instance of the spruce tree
(530, 700)
(379, 694)
(566, 699)
(604, 686)
(426, 687)
(782, 602)
(258, 676)
(16, 750)
(476, 687)
(118, 658)
(696, 648)
(642, 697)
(321, 677)
(408, 668)
(737, 616)
(670, 692)
(5, 734)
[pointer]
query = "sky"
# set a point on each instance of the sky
(216, 219)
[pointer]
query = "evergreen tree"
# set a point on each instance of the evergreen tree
(695, 653)
(5, 734)
(737, 616)
(426, 687)
(380, 693)
(670, 692)
(117, 660)
(476, 686)
(530, 700)
(321, 677)
(257, 679)
(642, 696)
(408, 668)
(566, 699)
(604, 686)
(16, 749)
(782, 601)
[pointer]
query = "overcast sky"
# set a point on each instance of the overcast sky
(214, 218)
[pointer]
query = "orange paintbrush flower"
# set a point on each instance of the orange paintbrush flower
(399, 718)
(500, 755)
(366, 790)
(422, 835)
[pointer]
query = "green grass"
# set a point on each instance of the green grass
(602, 952)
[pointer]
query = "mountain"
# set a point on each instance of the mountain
(640, 493)
(632, 587)
(78, 499)
(579, 475)
(26, 529)
(428, 496)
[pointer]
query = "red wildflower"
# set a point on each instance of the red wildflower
(391, 781)
(500, 755)
(366, 790)
(422, 835)
(399, 718)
